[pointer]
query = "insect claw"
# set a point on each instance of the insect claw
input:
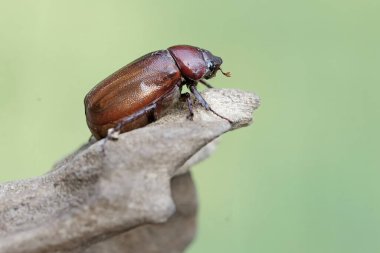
(190, 116)
(112, 134)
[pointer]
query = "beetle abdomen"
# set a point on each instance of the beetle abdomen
(131, 88)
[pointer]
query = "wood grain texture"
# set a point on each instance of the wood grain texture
(95, 195)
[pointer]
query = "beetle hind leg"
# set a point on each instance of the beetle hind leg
(113, 133)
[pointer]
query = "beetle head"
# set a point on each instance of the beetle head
(213, 64)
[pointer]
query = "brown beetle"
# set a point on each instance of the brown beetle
(143, 90)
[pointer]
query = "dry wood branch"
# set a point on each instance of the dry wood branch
(94, 201)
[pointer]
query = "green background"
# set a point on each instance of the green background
(303, 178)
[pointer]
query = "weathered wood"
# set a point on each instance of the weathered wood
(101, 198)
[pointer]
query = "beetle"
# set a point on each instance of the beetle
(143, 90)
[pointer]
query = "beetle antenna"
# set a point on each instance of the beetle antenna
(228, 74)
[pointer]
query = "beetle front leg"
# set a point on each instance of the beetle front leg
(206, 84)
(203, 102)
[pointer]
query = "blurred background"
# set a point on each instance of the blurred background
(303, 178)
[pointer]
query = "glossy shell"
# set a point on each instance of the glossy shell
(153, 78)
(142, 91)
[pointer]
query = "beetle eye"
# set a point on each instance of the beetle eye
(211, 66)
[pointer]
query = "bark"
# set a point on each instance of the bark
(130, 195)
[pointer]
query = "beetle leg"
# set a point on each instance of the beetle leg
(199, 97)
(206, 84)
(186, 95)
(203, 102)
(113, 133)
(90, 138)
